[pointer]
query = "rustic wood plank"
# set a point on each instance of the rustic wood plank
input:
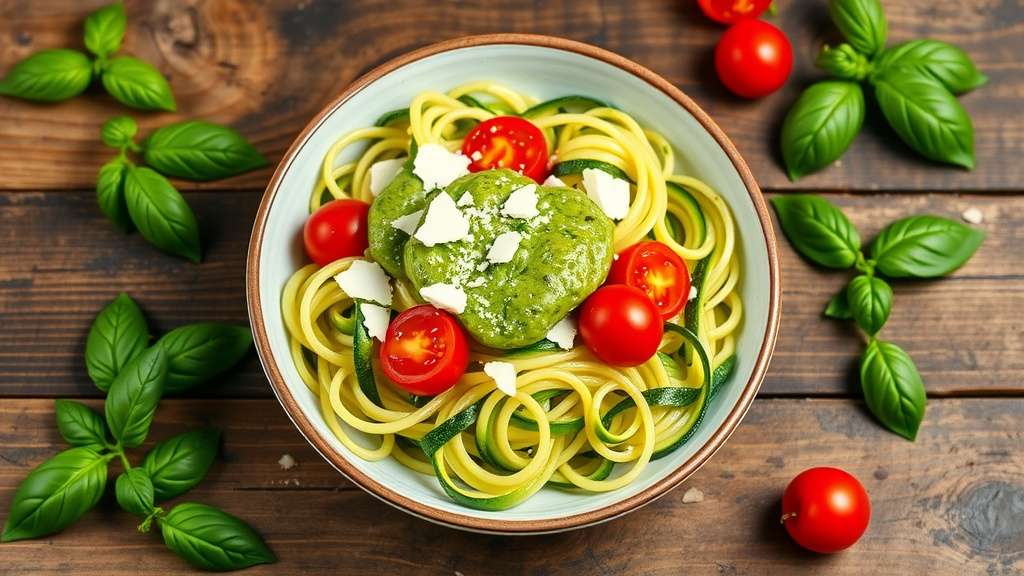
(267, 67)
(948, 504)
(962, 331)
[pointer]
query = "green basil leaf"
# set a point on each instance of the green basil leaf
(943, 62)
(48, 76)
(117, 336)
(862, 22)
(134, 395)
(104, 30)
(212, 539)
(926, 116)
(161, 213)
(870, 301)
(178, 464)
(821, 125)
(924, 247)
(818, 229)
(197, 353)
(134, 492)
(119, 131)
(110, 193)
(839, 307)
(80, 425)
(843, 61)
(198, 150)
(138, 84)
(893, 388)
(56, 494)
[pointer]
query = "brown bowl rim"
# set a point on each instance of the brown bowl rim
(684, 470)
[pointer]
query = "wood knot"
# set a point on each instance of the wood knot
(183, 27)
(991, 516)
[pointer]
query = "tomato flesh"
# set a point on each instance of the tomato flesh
(753, 58)
(825, 509)
(621, 325)
(658, 271)
(730, 11)
(338, 229)
(507, 142)
(425, 351)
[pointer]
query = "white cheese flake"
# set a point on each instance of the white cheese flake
(286, 462)
(521, 203)
(383, 172)
(693, 293)
(504, 247)
(693, 496)
(375, 319)
(611, 194)
(476, 282)
(504, 375)
(563, 333)
(408, 222)
(445, 296)
(365, 281)
(465, 200)
(973, 216)
(444, 222)
(437, 167)
(553, 180)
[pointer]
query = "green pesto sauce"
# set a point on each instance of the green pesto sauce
(404, 195)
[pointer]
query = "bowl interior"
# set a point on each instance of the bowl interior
(544, 72)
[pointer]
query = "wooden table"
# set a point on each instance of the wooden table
(951, 503)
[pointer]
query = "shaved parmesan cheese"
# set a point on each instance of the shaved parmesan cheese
(375, 319)
(553, 180)
(365, 281)
(693, 293)
(408, 222)
(437, 167)
(465, 200)
(521, 203)
(504, 375)
(611, 194)
(504, 247)
(476, 282)
(973, 216)
(445, 296)
(383, 172)
(444, 222)
(563, 333)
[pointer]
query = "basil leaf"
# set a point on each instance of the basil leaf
(56, 494)
(926, 116)
(110, 193)
(870, 301)
(198, 352)
(943, 62)
(48, 76)
(179, 464)
(119, 131)
(212, 539)
(821, 125)
(79, 425)
(839, 307)
(117, 336)
(138, 84)
(104, 30)
(862, 22)
(134, 492)
(134, 395)
(161, 214)
(818, 229)
(893, 388)
(924, 247)
(199, 150)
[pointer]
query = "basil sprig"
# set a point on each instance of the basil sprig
(914, 247)
(915, 84)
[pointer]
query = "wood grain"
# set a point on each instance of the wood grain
(268, 67)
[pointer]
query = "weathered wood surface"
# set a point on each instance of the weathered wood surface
(268, 67)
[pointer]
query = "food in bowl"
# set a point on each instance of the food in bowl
(527, 295)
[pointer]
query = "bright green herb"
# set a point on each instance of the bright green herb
(870, 301)
(161, 214)
(133, 396)
(862, 23)
(198, 352)
(48, 76)
(117, 335)
(200, 150)
(79, 425)
(212, 539)
(924, 247)
(893, 388)
(104, 30)
(818, 229)
(821, 125)
(179, 464)
(134, 492)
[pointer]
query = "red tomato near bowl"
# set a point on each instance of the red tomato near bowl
(658, 271)
(336, 230)
(425, 351)
(507, 142)
(621, 325)
(753, 58)
(825, 509)
(731, 11)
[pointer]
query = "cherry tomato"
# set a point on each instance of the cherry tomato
(657, 270)
(620, 325)
(730, 11)
(825, 509)
(753, 58)
(336, 230)
(508, 142)
(425, 351)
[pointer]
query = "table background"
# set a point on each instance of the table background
(951, 503)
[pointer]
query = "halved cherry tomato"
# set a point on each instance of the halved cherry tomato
(753, 58)
(425, 351)
(507, 142)
(729, 11)
(657, 270)
(336, 230)
(621, 325)
(825, 509)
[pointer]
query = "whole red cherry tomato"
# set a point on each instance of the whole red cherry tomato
(730, 11)
(336, 230)
(753, 58)
(657, 270)
(425, 351)
(507, 142)
(621, 325)
(825, 509)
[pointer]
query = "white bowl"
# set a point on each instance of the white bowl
(544, 67)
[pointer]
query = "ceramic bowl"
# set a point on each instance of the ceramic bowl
(545, 67)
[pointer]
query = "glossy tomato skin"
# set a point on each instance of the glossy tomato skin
(825, 509)
(507, 142)
(338, 229)
(731, 11)
(425, 351)
(753, 58)
(621, 325)
(658, 271)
